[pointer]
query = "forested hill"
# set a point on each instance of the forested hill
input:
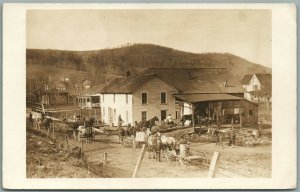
(134, 58)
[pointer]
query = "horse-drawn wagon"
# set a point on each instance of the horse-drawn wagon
(140, 138)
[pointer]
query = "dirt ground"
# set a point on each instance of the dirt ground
(50, 159)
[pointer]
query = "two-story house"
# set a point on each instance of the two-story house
(258, 87)
(163, 91)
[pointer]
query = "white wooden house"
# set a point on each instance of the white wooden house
(258, 87)
(115, 104)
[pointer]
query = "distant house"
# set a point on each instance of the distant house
(88, 101)
(90, 98)
(56, 98)
(258, 87)
(58, 95)
(159, 92)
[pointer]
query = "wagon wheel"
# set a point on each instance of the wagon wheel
(183, 161)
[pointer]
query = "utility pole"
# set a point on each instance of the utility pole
(193, 118)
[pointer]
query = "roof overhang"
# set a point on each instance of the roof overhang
(194, 98)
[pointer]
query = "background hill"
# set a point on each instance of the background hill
(99, 65)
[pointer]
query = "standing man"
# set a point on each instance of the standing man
(121, 131)
(231, 137)
(169, 118)
(260, 126)
(120, 121)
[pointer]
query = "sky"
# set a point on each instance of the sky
(246, 33)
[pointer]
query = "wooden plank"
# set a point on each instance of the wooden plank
(105, 158)
(138, 165)
(213, 165)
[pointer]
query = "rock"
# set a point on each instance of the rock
(51, 143)
(39, 143)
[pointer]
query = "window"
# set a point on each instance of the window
(103, 111)
(144, 98)
(126, 98)
(163, 114)
(163, 98)
(250, 112)
(144, 115)
(95, 99)
(255, 87)
(88, 99)
(103, 98)
(114, 98)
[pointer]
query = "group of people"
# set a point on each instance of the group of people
(130, 130)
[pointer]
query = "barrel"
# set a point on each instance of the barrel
(183, 150)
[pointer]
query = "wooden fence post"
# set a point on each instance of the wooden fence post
(67, 143)
(53, 131)
(138, 165)
(81, 151)
(213, 165)
(105, 159)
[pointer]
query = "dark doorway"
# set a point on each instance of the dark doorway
(163, 114)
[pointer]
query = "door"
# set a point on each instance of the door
(178, 114)
(163, 115)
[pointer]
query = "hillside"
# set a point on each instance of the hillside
(97, 65)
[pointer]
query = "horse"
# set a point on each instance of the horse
(130, 131)
(121, 134)
(224, 134)
(73, 128)
(46, 124)
(168, 142)
(89, 129)
(147, 124)
(154, 146)
(86, 130)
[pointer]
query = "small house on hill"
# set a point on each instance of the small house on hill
(258, 87)
(56, 94)
(206, 92)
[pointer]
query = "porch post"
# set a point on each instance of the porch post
(193, 119)
(240, 120)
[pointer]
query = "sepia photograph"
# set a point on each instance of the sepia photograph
(148, 93)
(149, 96)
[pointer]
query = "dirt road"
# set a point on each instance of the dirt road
(243, 161)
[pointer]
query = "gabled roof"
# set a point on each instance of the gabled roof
(246, 79)
(264, 78)
(126, 85)
(191, 80)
